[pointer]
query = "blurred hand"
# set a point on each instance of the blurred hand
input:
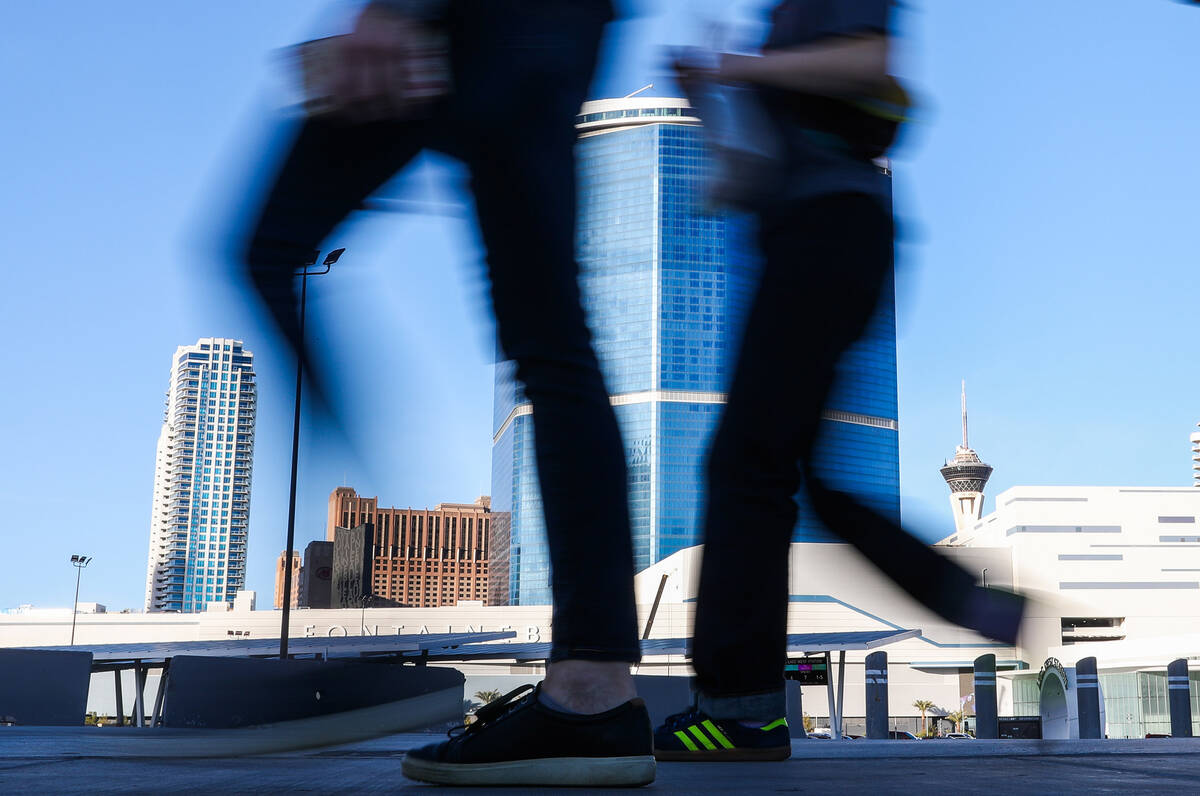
(389, 67)
(694, 64)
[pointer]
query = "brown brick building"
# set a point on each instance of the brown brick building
(280, 568)
(422, 558)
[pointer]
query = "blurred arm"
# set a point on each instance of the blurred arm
(414, 9)
(834, 67)
(391, 64)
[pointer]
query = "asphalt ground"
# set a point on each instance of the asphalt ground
(35, 763)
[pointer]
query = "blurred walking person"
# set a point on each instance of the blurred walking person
(826, 234)
(496, 83)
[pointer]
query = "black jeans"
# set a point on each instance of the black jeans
(521, 71)
(826, 262)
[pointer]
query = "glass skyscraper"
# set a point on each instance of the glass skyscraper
(202, 475)
(666, 288)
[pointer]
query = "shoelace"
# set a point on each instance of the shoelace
(496, 709)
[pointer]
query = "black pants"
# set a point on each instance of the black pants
(826, 262)
(521, 71)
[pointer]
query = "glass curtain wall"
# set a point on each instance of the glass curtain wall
(666, 288)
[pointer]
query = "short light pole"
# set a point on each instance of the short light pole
(79, 562)
(985, 569)
(304, 273)
(366, 598)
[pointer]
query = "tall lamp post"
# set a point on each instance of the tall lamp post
(79, 562)
(304, 273)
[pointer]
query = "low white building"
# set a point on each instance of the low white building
(833, 589)
(31, 610)
(1128, 557)
(1120, 566)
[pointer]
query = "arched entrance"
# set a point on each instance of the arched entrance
(1053, 704)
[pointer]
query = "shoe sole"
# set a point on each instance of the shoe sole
(632, 771)
(723, 755)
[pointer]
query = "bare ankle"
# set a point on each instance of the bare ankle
(589, 686)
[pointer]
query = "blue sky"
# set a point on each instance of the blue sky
(1047, 198)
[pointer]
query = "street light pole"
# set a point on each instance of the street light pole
(79, 562)
(363, 615)
(330, 259)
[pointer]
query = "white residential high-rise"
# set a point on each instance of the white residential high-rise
(202, 478)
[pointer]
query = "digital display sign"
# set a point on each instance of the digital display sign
(807, 671)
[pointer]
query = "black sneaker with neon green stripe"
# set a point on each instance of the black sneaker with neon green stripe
(694, 735)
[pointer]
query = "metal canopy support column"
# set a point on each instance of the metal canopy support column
(835, 703)
(841, 691)
(833, 722)
(139, 685)
(156, 715)
(120, 700)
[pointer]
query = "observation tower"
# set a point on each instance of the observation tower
(966, 475)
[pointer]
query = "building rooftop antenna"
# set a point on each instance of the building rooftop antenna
(639, 91)
(964, 412)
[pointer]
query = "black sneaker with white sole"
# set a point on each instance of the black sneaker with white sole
(517, 740)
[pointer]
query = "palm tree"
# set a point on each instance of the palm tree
(487, 696)
(956, 717)
(923, 705)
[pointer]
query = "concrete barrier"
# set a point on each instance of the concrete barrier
(230, 693)
(1179, 698)
(987, 720)
(877, 695)
(44, 687)
(795, 709)
(1087, 694)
